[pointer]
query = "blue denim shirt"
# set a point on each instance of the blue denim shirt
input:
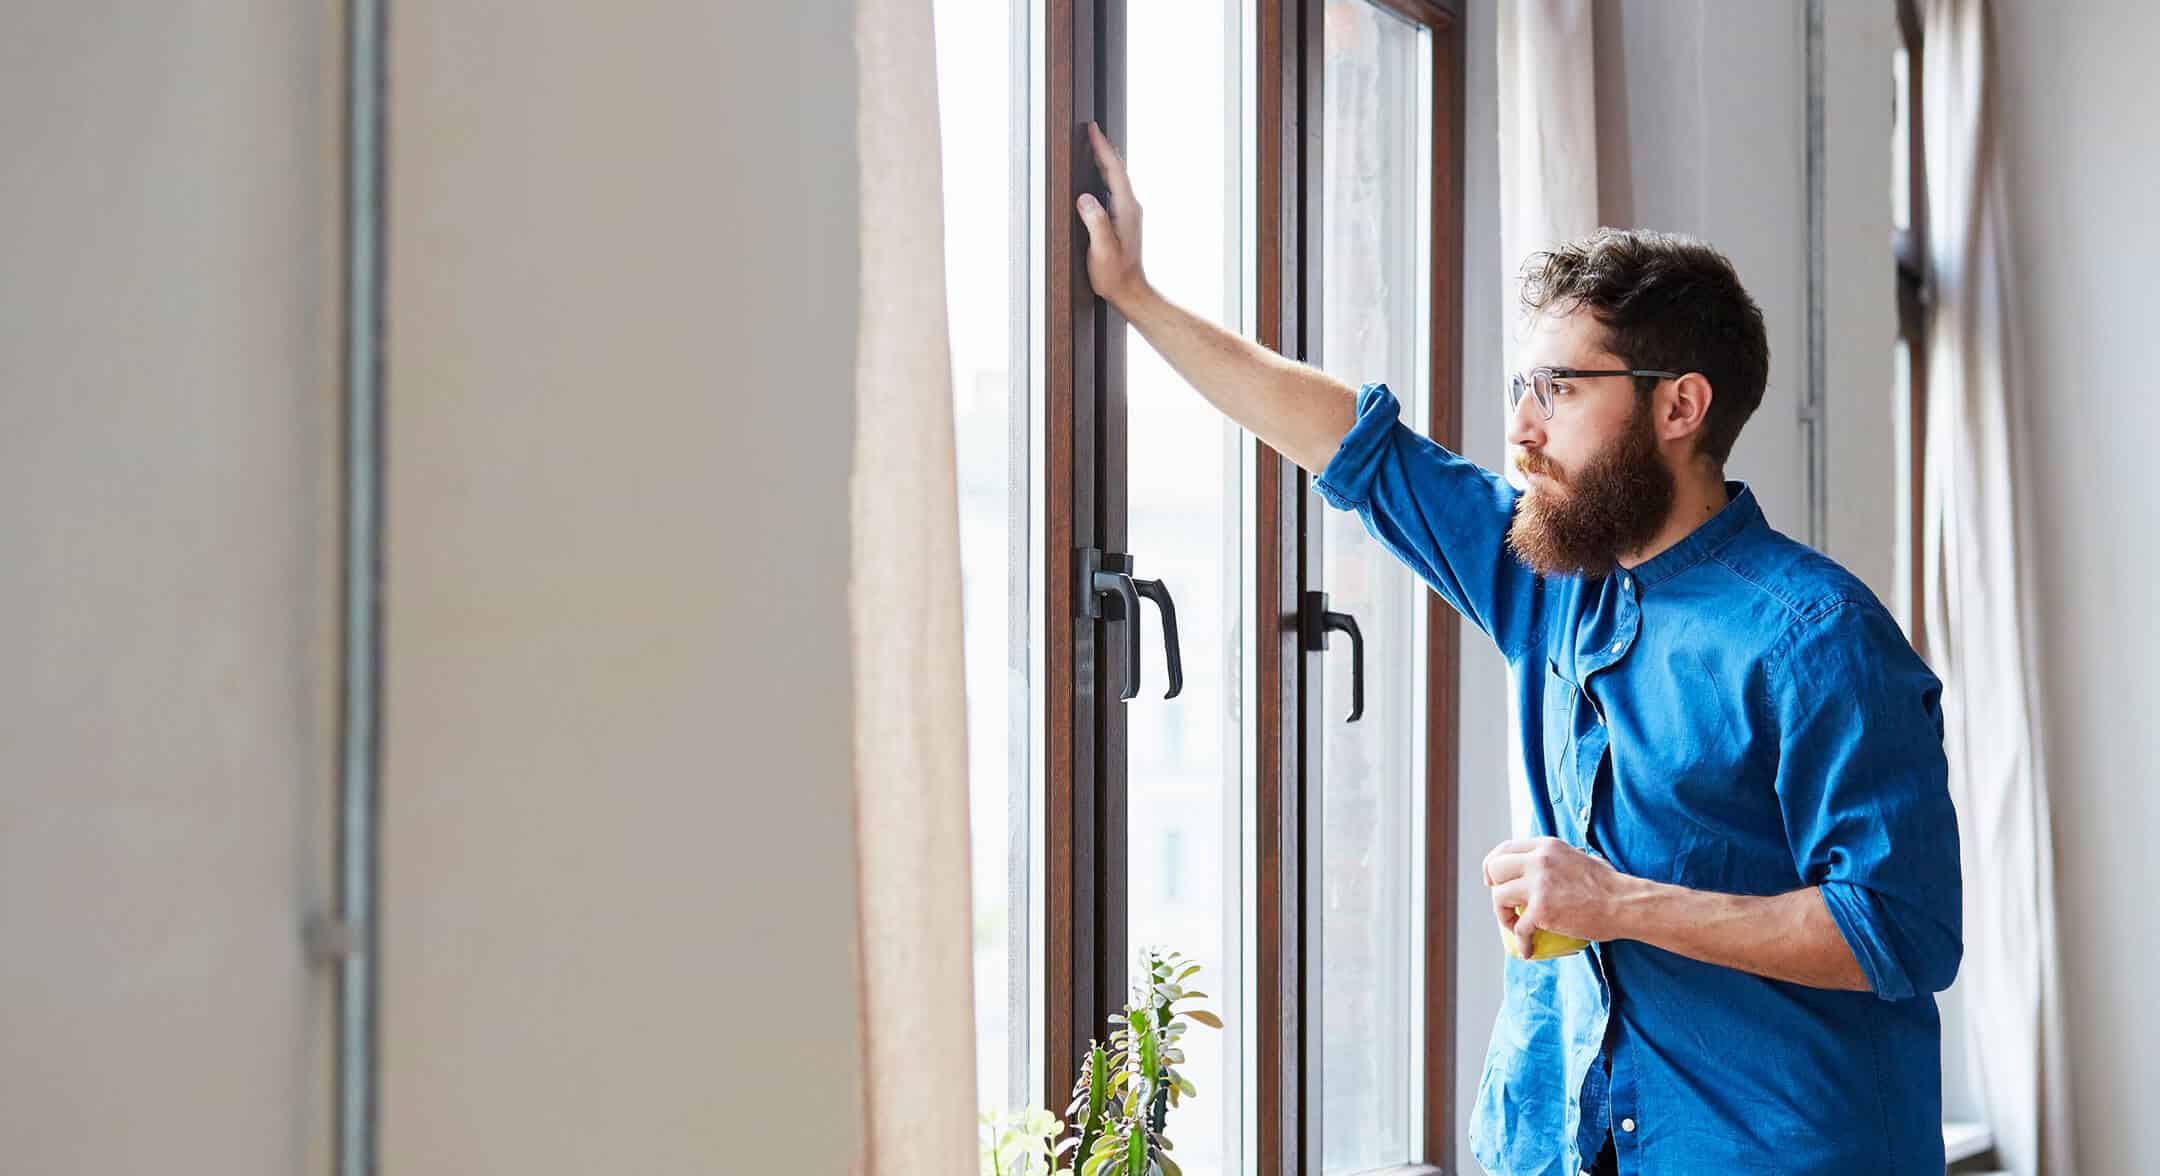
(1738, 714)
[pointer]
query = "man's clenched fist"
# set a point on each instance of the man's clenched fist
(1558, 888)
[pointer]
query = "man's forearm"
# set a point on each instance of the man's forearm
(1299, 410)
(1785, 936)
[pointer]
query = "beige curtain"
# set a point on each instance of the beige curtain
(1548, 189)
(911, 795)
(1977, 609)
(1548, 129)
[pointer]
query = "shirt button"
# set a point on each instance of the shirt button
(1616, 646)
(1627, 1124)
(1584, 813)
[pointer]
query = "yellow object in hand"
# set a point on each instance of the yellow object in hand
(1544, 945)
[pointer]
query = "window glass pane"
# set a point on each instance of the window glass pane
(984, 100)
(1374, 326)
(1185, 519)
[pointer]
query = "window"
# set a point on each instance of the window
(1963, 1110)
(994, 326)
(1375, 317)
(1304, 860)
(1187, 523)
(1908, 237)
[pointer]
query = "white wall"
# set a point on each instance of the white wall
(619, 881)
(1860, 327)
(168, 425)
(2084, 154)
(1702, 124)
(619, 890)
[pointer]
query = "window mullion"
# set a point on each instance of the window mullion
(1084, 819)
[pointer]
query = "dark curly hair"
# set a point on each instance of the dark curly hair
(1669, 302)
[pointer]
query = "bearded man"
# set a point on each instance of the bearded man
(1735, 756)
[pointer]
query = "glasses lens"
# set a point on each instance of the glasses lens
(1515, 390)
(1541, 383)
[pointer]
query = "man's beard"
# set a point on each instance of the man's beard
(1615, 504)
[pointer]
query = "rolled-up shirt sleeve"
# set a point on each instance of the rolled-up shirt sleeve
(1864, 789)
(1436, 511)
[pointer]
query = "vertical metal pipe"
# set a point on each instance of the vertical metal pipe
(1814, 407)
(361, 634)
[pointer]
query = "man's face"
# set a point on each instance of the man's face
(1597, 485)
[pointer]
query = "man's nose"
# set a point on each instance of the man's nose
(1526, 426)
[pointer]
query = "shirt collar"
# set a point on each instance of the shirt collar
(1740, 513)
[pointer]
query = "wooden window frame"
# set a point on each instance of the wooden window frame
(1084, 388)
(1915, 292)
(1085, 472)
(1291, 98)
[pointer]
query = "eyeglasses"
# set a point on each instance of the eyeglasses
(1541, 380)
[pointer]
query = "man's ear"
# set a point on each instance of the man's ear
(1684, 407)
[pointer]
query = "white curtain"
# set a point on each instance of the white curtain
(1548, 189)
(911, 790)
(1977, 610)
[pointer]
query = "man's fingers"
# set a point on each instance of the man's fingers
(1514, 846)
(1113, 167)
(1102, 229)
(1505, 867)
(1106, 156)
(1509, 900)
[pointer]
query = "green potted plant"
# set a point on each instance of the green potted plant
(1018, 1144)
(1122, 1099)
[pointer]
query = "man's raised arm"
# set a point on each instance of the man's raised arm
(1299, 410)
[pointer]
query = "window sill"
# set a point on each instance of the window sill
(1963, 1141)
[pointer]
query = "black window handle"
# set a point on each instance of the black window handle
(1109, 592)
(1314, 623)
(1159, 592)
(1110, 575)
